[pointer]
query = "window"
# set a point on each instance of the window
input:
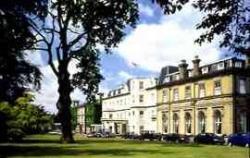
(221, 66)
(204, 70)
(141, 85)
(188, 123)
(217, 87)
(238, 64)
(164, 123)
(202, 90)
(141, 113)
(242, 86)
(242, 122)
(188, 92)
(175, 94)
(164, 95)
(110, 116)
(141, 129)
(141, 98)
(217, 122)
(201, 122)
(133, 113)
(166, 79)
(175, 123)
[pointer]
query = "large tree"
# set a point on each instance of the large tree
(16, 73)
(228, 18)
(73, 30)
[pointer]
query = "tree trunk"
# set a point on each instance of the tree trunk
(64, 103)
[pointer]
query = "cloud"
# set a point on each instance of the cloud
(125, 75)
(146, 10)
(152, 46)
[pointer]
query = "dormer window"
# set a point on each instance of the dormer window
(220, 66)
(166, 79)
(204, 70)
(238, 64)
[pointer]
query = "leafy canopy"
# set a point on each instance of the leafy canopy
(227, 18)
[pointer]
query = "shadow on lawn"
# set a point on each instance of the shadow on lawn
(42, 151)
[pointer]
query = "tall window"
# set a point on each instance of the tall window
(176, 123)
(201, 122)
(141, 114)
(187, 92)
(141, 129)
(110, 116)
(242, 86)
(164, 123)
(175, 94)
(188, 123)
(217, 122)
(164, 95)
(141, 86)
(141, 98)
(242, 122)
(217, 87)
(202, 90)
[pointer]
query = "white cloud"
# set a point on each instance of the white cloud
(146, 10)
(125, 75)
(153, 46)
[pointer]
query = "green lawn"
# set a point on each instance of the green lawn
(48, 146)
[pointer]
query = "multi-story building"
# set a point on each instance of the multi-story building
(131, 107)
(81, 127)
(210, 98)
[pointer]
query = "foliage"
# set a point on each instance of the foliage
(73, 110)
(23, 117)
(73, 30)
(93, 112)
(229, 19)
(16, 73)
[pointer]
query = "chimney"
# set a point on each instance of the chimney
(196, 66)
(248, 60)
(183, 69)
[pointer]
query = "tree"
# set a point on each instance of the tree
(23, 117)
(229, 19)
(72, 31)
(16, 37)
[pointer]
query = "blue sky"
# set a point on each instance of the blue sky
(158, 40)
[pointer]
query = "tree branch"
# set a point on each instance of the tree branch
(77, 39)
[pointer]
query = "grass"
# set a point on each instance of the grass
(48, 146)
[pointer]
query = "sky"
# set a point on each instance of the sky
(157, 41)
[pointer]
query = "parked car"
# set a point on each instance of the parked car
(209, 138)
(171, 137)
(150, 135)
(91, 135)
(242, 139)
(107, 135)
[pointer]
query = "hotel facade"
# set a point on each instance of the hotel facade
(130, 107)
(212, 98)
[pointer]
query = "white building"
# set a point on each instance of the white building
(130, 107)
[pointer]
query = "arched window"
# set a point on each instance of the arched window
(188, 123)
(164, 123)
(201, 122)
(217, 122)
(176, 123)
